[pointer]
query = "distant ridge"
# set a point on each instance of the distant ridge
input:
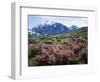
(52, 29)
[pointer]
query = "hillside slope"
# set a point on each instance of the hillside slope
(62, 49)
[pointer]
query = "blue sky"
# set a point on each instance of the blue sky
(68, 21)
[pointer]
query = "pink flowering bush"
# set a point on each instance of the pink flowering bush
(71, 51)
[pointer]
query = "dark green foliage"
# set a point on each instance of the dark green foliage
(29, 35)
(81, 32)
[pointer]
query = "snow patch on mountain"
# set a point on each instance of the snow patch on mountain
(52, 28)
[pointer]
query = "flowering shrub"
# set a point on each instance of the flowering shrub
(71, 51)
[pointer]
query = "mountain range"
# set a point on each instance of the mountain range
(52, 29)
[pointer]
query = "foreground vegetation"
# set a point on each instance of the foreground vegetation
(64, 49)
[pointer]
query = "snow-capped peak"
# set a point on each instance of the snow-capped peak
(73, 27)
(48, 23)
